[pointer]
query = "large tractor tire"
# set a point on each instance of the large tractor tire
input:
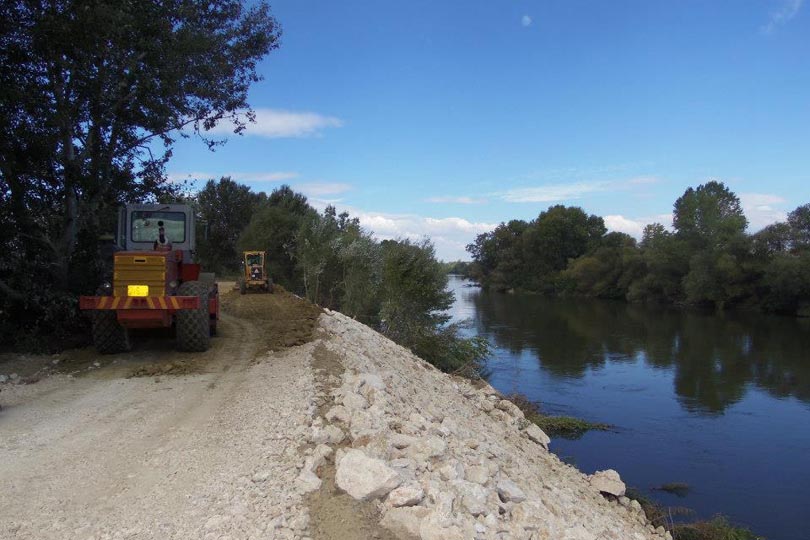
(109, 337)
(193, 325)
(242, 287)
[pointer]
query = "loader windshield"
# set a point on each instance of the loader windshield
(254, 259)
(145, 226)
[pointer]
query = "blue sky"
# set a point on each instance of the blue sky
(445, 118)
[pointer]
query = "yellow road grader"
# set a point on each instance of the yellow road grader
(254, 273)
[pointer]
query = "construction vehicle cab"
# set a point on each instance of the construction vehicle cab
(155, 281)
(254, 272)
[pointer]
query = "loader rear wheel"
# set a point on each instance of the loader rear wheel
(242, 287)
(193, 325)
(109, 337)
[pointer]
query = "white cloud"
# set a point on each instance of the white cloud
(559, 192)
(526, 21)
(270, 176)
(643, 181)
(553, 192)
(456, 200)
(786, 11)
(635, 227)
(319, 189)
(761, 209)
(450, 235)
(277, 123)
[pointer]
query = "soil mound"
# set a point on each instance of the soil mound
(285, 319)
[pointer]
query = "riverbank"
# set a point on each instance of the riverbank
(451, 460)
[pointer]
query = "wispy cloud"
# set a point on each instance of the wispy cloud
(526, 21)
(321, 189)
(552, 192)
(277, 123)
(559, 192)
(456, 200)
(270, 176)
(782, 15)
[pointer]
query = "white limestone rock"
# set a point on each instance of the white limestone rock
(406, 496)
(474, 498)
(364, 477)
(608, 481)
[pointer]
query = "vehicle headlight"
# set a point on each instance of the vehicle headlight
(172, 284)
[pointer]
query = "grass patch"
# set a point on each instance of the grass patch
(566, 427)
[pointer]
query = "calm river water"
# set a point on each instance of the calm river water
(721, 402)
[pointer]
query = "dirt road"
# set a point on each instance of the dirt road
(105, 455)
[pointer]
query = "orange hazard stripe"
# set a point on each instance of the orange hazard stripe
(175, 303)
(162, 302)
(115, 301)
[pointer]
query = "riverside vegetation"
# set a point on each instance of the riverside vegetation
(707, 259)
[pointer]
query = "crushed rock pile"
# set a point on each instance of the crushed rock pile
(442, 459)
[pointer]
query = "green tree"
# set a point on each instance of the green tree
(557, 236)
(709, 216)
(608, 270)
(224, 209)
(666, 258)
(317, 257)
(274, 228)
(413, 292)
(799, 222)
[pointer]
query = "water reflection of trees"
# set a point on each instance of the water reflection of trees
(714, 357)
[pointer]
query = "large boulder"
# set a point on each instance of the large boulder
(364, 477)
(609, 482)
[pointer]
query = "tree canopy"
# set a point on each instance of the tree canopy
(707, 259)
(92, 96)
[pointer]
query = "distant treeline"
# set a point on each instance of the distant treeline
(707, 259)
(457, 268)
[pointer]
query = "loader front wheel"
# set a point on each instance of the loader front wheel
(109, 337)
(193, 325)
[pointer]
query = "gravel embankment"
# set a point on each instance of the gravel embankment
(345, 436)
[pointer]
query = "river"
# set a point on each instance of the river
(720, 402)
